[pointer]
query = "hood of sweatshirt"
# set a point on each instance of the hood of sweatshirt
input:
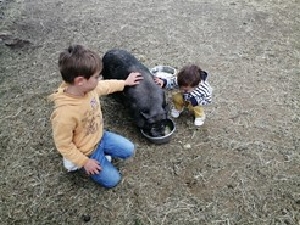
(62, 98)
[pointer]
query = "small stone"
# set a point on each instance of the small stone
(281, 177)
(16, 42)
(229, 186)
(5, 36)
(296, 197)
(284, 211)
(187, 146)
(86, 217)
(142, 58)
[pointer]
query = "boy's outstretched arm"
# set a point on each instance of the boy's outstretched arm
(133, 79)
(106, 87)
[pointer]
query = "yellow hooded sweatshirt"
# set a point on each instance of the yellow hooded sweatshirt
(77, 120)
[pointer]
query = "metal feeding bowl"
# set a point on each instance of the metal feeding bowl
(164, 72)
(170, 128)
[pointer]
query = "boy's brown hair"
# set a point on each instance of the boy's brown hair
(189, 76)
(77, 61)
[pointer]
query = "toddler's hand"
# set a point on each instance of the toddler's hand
(133, 79)
(159, 81)
(193, 101)
(92, 167)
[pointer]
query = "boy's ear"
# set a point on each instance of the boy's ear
(78, 81)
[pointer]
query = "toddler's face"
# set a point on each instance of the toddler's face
(187, 88)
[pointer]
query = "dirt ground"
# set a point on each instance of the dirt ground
(241, 167)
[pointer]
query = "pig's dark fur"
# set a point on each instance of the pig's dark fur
(146, 100)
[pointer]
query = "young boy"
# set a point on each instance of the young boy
(194, 92)
(77, 119)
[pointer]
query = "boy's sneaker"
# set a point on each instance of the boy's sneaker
(175, 113)
(199, 121)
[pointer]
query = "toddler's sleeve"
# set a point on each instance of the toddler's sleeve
(202, 94)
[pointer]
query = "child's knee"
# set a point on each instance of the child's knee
(128, 149)
(113, 180)
(109, 177)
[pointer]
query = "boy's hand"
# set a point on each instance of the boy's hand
(159, 81)
(92, 167)
(133, 79)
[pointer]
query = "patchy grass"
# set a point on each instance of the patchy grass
(241, 167)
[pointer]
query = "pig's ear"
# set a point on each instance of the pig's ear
(145, 115)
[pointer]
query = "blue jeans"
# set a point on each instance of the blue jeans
(116, 146)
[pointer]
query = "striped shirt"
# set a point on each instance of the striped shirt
(201, 94)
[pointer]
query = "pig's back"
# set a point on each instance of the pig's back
(117, 64)
(146, 95)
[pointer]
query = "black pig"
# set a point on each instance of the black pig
(146, 101)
